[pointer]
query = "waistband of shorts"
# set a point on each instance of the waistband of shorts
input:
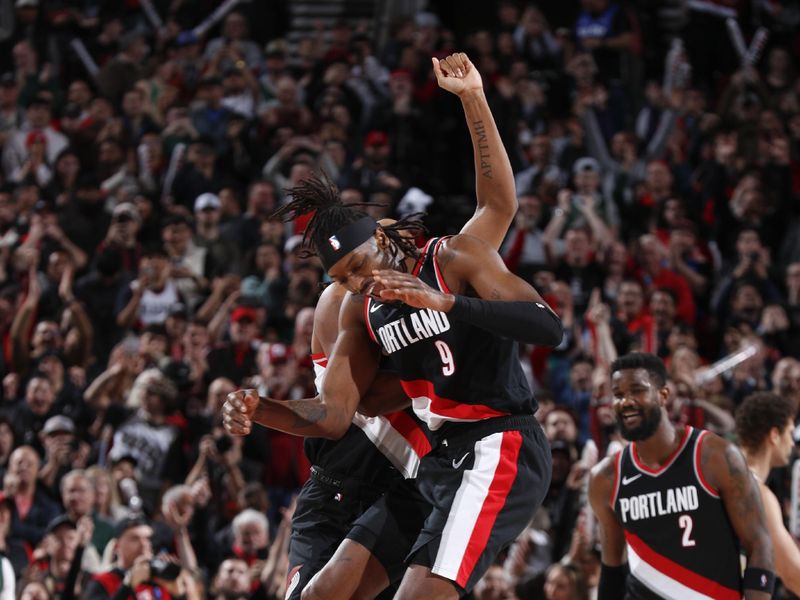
(454, 432)
(354, 487)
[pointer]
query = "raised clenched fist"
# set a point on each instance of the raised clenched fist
(238, 411)
(457, 74)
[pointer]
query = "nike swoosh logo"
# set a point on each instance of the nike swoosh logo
(627, 480)
(375, 306)
(456, 465)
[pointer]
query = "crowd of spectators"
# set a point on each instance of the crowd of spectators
(657, 164)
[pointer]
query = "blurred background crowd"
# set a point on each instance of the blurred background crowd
(656, 150)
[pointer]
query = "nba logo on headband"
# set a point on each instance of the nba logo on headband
(345, 239)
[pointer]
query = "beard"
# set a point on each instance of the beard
(648, 423)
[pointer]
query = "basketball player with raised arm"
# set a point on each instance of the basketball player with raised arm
(765, 426)
(681, 500)
(376, 453)
(448, 318)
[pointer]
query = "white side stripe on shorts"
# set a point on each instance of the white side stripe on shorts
(467, 505)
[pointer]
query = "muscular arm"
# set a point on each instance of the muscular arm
(385, 394)
(494, 282)
(612, 537)
(351, 368)
(787, 555)
(505, 305)
(494, 179)
(726, 470)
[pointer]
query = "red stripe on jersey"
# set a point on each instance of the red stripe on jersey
(320, 359)
(679, 573)
(439, 277)
(366, 319)
(698, 469)
(617, 469)
(670, 459)
(411, 431)
(504, 476)
(420, 388)
(421, 259)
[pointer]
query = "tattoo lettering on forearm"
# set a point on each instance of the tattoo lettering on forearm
(483, 149)
(308, 413)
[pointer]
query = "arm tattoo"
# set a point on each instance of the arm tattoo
(610, 469)
(483, 149)
(745, 506)
(309, 412)
(495, 295)
(445, 257)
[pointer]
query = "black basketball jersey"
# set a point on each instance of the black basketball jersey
(680, 541)
(452, 371)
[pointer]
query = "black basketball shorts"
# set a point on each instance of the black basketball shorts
(484, 481)
(389, 528)
(326, 510)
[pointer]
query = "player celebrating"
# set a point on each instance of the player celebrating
(682, 500)
(446, 318)
(375, 545)
(765, 424)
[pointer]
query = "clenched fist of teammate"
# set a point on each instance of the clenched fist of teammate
(457, 74)
(238, 411)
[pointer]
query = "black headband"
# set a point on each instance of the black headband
(347, 239)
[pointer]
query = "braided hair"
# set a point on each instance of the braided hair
(320, 196)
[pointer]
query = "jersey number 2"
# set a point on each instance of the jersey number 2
(448, 366)
(685, 522)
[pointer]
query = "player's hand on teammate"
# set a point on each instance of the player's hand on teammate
(395, 286)
(238, 411)
(457, 74)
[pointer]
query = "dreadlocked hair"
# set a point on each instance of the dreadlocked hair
(317, 195)
(320, 196)
(402, 233)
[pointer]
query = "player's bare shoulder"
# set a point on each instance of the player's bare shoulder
(330, 301)
(326, 316)
(720, 459)
(457, 255)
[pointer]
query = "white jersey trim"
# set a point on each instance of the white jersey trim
(658, 582)
(380, 432)
(390, 443)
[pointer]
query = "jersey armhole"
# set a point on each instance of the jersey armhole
(617, 469)
(366, 319)
(698, 471)
(439, 276)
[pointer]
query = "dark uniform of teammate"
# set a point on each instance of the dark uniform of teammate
(490, 466)
(680, 541)
(679, 502)
(351, 481)
(485, 473)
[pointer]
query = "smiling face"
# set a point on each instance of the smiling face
(638, 403)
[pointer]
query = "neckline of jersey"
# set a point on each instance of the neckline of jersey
(637, 462)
